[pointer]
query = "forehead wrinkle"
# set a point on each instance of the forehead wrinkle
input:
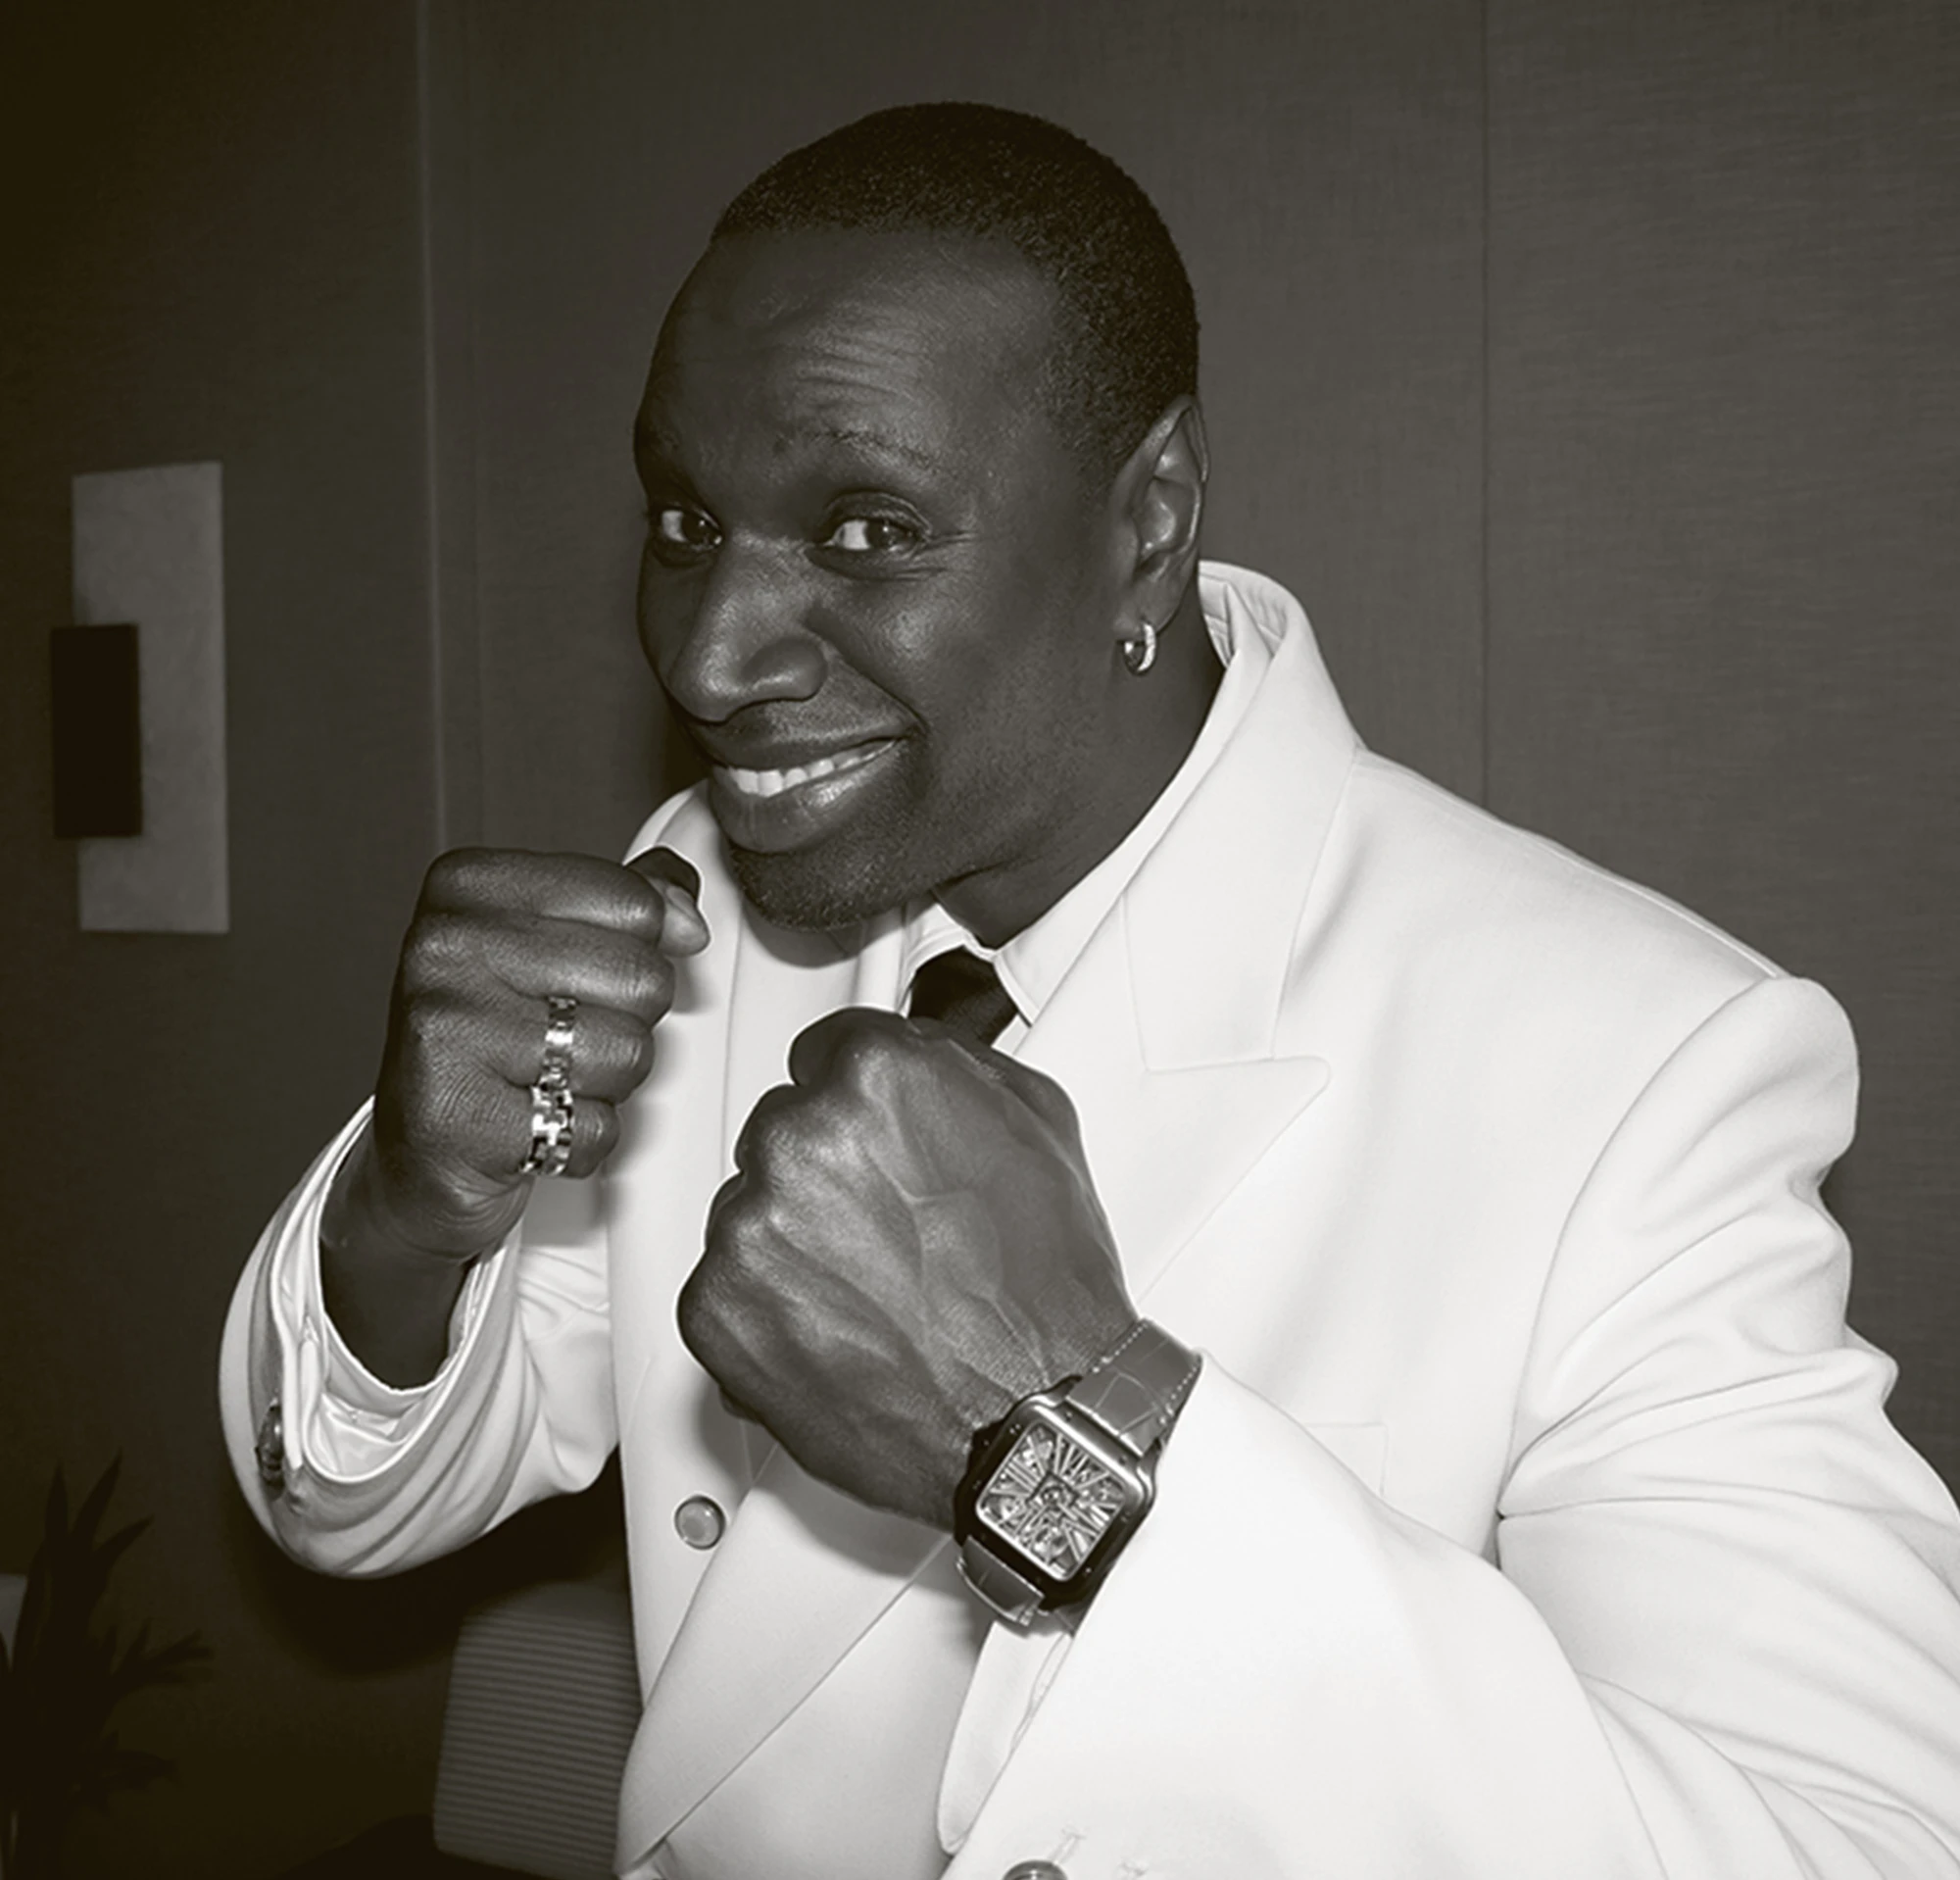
(857, 437)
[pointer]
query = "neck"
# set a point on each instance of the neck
(1166, 710)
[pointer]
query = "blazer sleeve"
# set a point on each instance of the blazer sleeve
(370, 1479)
(1721, 1638)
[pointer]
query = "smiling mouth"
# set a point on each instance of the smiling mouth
(758, 785)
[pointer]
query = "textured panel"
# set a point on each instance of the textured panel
(149, 547)
(543, 1702)
(1725, 529)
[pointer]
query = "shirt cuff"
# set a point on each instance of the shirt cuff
(341, 1423)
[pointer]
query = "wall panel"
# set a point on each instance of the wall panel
(210, 254)
(1725, 530)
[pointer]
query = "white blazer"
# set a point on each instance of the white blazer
(1535, 1514)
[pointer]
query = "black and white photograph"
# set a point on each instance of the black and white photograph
(1009, 942)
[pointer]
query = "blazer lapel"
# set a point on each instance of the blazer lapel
(1164, 1145)
(802, 1574)
(1168, 1032)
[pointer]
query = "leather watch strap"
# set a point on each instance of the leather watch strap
(1014, 1597)
(1137, 1391)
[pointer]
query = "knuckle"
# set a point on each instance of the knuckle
(615, 900)
(701, 1312)
(446, 876)
(651, 985)
(460, 876)
(782, 1132)
(437, 951)
(599, 1123)
(866, 1055)
(641, 909)
(719, 1208)
(636, 1054)
(435, 1026)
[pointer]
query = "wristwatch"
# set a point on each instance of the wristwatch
(1057, 1488)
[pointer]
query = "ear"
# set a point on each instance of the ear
(1159, 501)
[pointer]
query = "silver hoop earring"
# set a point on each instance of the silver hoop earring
(1139, 653)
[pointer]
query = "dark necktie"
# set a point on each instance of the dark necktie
(965, 993)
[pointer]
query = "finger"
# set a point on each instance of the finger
(537, 957)
(595, 1133)
(610, 1056)
(818, 1051)
(766, 1129)
(1040, 1092)
(581, 888)
(677, 882)
(724, 1198)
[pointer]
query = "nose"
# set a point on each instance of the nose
(732, 636)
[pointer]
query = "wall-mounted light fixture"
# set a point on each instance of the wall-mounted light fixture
(98, 730)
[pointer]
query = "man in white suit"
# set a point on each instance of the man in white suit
(1350, 1381)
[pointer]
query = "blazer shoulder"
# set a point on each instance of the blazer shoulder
(1515, 916)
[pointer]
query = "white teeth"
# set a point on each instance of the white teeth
(775, 782)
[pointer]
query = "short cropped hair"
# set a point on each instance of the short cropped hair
(1126, 341)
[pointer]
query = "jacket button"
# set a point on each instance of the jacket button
(698, 1521)
(268, 1448)
(1034, 1870)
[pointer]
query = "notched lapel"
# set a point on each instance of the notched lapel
(1166, 1146)
(1164, 1032)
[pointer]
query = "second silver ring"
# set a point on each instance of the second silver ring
(551, 1095)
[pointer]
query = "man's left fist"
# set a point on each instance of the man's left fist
(911, 1244)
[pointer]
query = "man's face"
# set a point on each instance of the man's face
(877, 588)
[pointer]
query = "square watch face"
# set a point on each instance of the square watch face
(1053, 1498)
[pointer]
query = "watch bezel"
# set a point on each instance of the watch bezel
(1137, 1474)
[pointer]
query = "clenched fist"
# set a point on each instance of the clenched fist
(438, 1176)
(911, 1244)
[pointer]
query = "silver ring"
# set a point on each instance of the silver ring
(551, 1095)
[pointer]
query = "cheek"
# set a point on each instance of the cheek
(1009, 664)
(1033, 708)
(656, 611)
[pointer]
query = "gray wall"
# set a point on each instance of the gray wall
(1590, 372)
(213, 252)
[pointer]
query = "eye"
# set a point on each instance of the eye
(872, 535)
(677, 531)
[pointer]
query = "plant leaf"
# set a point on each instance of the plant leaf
(88, 1516)
(70, 1668)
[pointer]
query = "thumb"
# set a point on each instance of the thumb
(677, 882)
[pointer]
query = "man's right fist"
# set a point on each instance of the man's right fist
(495, 933)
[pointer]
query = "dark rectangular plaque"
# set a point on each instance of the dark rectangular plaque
(98, 730)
